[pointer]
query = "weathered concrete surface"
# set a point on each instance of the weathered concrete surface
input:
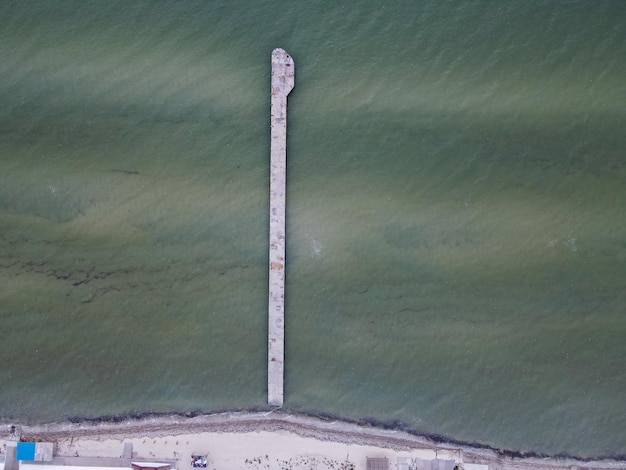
(11, 462)
(283, 73)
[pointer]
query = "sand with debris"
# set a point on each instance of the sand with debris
(276, 441)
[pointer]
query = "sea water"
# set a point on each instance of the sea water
(456, 226)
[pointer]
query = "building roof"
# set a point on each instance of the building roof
(475, 466)
(377, 463)
(34, 451)
(34, 466)
(25, 451)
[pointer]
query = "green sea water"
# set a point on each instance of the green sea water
(456, 225)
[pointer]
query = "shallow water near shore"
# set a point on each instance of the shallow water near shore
(456, 231)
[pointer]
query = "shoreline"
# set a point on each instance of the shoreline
(323, 428)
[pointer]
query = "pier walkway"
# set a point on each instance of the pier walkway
(283, 73)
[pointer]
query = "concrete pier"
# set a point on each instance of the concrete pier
(283, 73)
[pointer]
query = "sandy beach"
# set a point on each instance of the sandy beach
(272, 441)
